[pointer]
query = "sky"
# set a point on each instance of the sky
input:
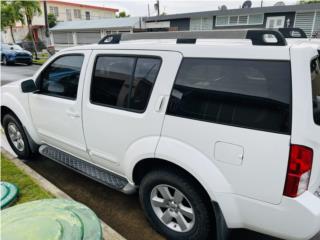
(140, 7)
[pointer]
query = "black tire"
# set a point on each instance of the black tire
(29, 63)
(10, 119)
(4, 60)
(204, 224)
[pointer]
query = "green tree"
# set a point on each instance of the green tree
(52, 20)
(122, 14)
(29, 9)
(10, 14)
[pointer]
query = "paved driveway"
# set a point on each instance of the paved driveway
(16, 72)
(121, 212)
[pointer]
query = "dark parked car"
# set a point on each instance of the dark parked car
(12, 53)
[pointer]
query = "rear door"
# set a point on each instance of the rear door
(237, 113)
(123, 101)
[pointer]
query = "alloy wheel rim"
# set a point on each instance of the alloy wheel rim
(172, 208)
(16, 136)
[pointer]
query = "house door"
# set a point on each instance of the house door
(275, 22)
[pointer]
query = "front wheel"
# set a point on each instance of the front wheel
(16, 136)
(175, 206)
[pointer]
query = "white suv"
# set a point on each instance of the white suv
(216, 133)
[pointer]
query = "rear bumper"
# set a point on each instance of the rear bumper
(294, 218)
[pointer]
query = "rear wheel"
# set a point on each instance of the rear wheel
(16, 136)
(175, 206)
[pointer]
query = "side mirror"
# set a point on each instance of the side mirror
(28, 86)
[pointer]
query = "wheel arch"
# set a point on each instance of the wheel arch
(18, 106)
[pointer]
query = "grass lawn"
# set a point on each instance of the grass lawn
(39, 61)
(43, 57)
(28, 189)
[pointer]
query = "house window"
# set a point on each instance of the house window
(87, 15)
(233, 20)
(256, 19)
(204, 23)
(77, 13)
(222, 20)
(68, 13)
(54, 11)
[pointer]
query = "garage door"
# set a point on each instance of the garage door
(308, 21)
(62, 38)
(88, 37)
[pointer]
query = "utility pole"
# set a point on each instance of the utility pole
(148, 10)
(46, 20)
(157, 7)
(261, 3)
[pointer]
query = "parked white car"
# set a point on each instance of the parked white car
(216, 134)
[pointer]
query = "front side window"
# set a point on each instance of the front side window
(244, 93)
(124, 82)
(61, 77)
(315, 81)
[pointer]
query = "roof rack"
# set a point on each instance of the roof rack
(257, 36)
(292, 32)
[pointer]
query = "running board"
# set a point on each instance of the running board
(90, 170)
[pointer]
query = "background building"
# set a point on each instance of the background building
(66, 34)
(305, 16)
(64, 11)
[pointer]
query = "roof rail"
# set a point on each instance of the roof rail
(257, 36)
(293, 33)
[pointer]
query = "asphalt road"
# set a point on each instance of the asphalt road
(121, 212)
(16, 72)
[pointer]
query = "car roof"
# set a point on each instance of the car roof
(221, 48)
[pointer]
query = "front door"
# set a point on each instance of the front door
(124, 102)
(275, 22)
(56, 107)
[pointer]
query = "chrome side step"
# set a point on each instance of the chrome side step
(90, 170)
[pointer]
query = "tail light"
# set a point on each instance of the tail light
(299, 171)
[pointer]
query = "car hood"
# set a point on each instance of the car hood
(17, 51)
(14, 84)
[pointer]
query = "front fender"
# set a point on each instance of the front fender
(17, 102)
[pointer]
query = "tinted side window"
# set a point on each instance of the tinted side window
(144, 78)
(124, 82)
(245, 93)
(111, 81)
(61, 77)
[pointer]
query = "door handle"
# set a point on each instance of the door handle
(73, 114)
(159, 104)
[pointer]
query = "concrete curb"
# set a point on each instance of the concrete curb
(108, 232)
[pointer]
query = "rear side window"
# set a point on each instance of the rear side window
(124, 82)
(315, 80)
(244, 93)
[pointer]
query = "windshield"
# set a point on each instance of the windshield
(315, 77)
(13, 47)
